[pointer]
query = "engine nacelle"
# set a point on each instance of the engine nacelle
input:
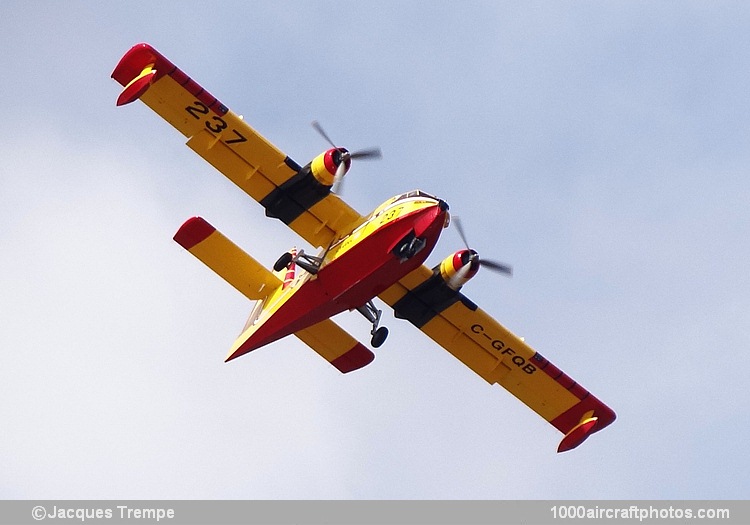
(324, 166)
(310, 185)
(457, 269)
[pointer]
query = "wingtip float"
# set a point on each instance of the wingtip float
(136, 72)
(577, 435)
(361, 257)
(142, 66)
(591, 422)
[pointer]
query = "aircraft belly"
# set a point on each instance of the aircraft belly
(350, 280)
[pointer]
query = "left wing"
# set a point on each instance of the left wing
(497, 355)
(233, 147)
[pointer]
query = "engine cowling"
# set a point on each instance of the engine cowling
(457, 269)
(325, 165)
(311, 184)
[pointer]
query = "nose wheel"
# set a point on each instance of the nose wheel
(409, 246)
(372, 314)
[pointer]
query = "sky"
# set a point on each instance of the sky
(602, 149)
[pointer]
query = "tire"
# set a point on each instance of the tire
(283, 262)
(379, 337)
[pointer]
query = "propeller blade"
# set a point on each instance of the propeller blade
(457, 279)
(346, 157)
(497, 267)
(319, 129)
(490, 265)
(338, 178)
(371, 153)
(456, 220)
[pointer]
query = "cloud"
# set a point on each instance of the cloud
(105, 339)
(598, 151)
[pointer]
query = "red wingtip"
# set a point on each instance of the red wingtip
(138, 69)
(194, 231)
(137, 57)
(578, 434)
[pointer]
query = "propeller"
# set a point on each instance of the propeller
(346, 156)
(490, 265)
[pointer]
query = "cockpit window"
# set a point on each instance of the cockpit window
(415, 193)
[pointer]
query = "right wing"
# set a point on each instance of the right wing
(222, 138)
(497, 355)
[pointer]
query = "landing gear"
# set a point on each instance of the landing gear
(283, 262)
(379, 337)
(409, 246)
(309, 263)
(373, 315)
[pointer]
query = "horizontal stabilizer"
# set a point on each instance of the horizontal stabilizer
(227, 259)
(327, 338)
(336, 346)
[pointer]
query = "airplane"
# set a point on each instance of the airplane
(359, 257)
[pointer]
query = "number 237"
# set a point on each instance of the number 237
(216, 124)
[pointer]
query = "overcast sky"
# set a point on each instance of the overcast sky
(601, 149)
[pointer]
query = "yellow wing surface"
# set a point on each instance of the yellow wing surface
(227, 259)
(254, 281)
(497, 355)
(233, 147)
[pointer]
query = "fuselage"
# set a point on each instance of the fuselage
(395, 239)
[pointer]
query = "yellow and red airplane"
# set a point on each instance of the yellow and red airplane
(360, 257)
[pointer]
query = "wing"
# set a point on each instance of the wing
(233, 147)
(497, 355)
